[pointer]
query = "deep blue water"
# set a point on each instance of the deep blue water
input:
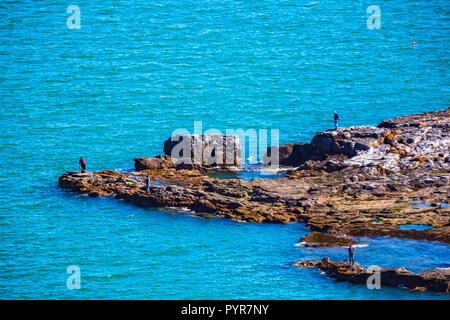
(137, 70)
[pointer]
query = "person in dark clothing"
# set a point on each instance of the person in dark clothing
(351, 254)
(147, 184)
(336, 120)
(82, 164)
(146, 181)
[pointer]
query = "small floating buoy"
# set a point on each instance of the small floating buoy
(413, 44)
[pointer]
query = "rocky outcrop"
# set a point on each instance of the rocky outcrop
(329, 192)
(396, 145)
(289, 154)
(319, 239)
(203, 151)
(437, 280)
(357, 181)
(153, 163)
(179, 188)
(327, 203)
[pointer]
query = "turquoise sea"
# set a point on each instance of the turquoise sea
(136, 70)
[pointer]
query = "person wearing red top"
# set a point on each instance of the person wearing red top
(82, 164)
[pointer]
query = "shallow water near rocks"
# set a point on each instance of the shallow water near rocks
(118, 87)
(249, 172)
(415, 226)
(422, 205)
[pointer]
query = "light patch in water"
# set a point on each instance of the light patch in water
(362, 245)
(125, 170)
(301, 244)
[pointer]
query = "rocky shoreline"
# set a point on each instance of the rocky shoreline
(436, 280)
(356, 181)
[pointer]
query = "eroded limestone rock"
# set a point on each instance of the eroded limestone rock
(203, 151)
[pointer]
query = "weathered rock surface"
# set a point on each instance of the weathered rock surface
(399, 144)
(333, 192)
(203, 151)
(290, 154)
(437, 280)
(325, 203)
(319, 239)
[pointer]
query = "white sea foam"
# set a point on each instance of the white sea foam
(301, 244)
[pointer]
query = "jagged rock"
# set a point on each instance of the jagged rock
(289, 154)
(346, 141)
(437, 280)
(203, 151)
(399, 144)
(153, 163)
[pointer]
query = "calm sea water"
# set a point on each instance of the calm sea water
(137, 70)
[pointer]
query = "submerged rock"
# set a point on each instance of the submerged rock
(318, 239)
(437, 280)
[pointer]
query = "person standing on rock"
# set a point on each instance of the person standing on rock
(146, 181)
(351, 254)
(82, 164)
(336, 120)
(147, 184)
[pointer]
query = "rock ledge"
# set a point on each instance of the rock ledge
(437, 280)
